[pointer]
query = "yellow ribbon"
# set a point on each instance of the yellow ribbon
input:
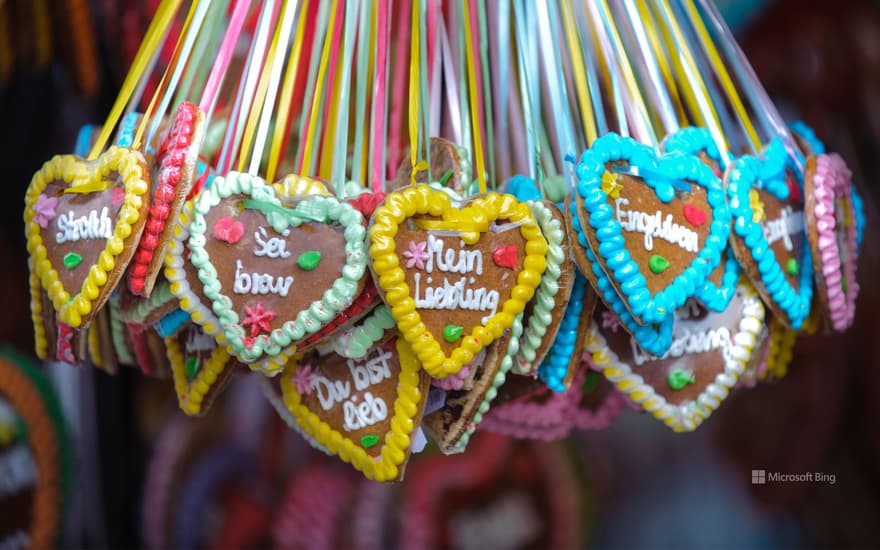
(472, 92)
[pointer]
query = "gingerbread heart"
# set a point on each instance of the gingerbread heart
(631, 209)
(720, 284)
(543, 314)
(768, 235)
(82, 219)
(199, 367)
(709, 352)
(832, 234)
(363, 410)
(177, 158)
(433, 260)
(249, 250)
(453, 424)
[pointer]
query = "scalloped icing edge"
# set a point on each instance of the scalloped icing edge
(201, 314)
(422, 199)
(191, 393)
(131, 168)
(544, 299)
(692, 141)
(644, 305)
(688, 416)
(750, 168)
(395, 443)
(282, 341)
(828, 267)
(41, 343)
(554, 368)
(364, 334)
(780, 352)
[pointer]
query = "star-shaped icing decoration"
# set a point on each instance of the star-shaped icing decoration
(757, 206)
(610, 186)
(610, 321)
(258, 319)
(45, 210)
(303, 378)
(416, 255)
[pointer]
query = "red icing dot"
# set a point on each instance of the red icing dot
(229, 230)
(695, 216)
(505, 256)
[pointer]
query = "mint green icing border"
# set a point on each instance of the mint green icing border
(339, 296)
(357, 340)
(117, 332)
(144, 307)
(512, 348)
(545, 296)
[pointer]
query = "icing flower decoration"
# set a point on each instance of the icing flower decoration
(416, 255)
(45, 210)
(366, 203)
(757, 206)
(117, 196)
(228, 230)
(258, 319)
(303, 378)
(610, 321)
(610, 186)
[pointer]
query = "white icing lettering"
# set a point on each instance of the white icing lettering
(654, 225)
(787, 224)
(270, 247)
(467, 261)
(362, 415)
(259, 283)
(455, 296)
(330, 392)
(372, 372)
(91, 226)
(688, 343)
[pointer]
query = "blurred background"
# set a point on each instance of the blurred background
(638, 484)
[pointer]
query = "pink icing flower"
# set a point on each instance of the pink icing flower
(229, 230)
(416, 255)
(610, 321)
(302, 379)
(44, 210)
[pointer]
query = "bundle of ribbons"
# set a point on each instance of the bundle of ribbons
(421, 218)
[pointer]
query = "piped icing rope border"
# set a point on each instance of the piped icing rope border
(544, 301)
(357, 340)
(806, 133)
(142, 309)
(270, 353)
(780, 352)
(692, 141)
(79, 308)
(41, 344)
(395, 443)
(117, 332)
(191, 392)
(743, 175)
(478, 213)
(832, 180)
(554, 369)
(650, 308)
(688, 416)
(500, 376)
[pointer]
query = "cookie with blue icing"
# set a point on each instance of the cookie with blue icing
(720, 285)
(656, 225)
(768, 237)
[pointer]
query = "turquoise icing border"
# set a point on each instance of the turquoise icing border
(554, 367)
(337, 297)
(653, 339)
(748, 172)
(803, 130)
(675, 167)
(861, 219)
(691, 141)
(171, 323)
(127, 129)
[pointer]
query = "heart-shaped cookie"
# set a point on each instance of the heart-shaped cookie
(543, 314)
(709, 352)
(832, 234)
(453, 424)
(446, 270)
(200, 368)
(363, 410)
(250, 249)
(633, 209)
(177, 157)
(81, 220)
(768, 235)
(721, 283)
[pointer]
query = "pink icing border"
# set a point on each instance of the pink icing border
(308, 517)
(833, 179)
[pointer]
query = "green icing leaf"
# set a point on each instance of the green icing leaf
(72, 259)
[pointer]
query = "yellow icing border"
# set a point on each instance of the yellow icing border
(76, 172)
(95, 346)
(782, 341)
(476, 217)
(191, 394)
(41, 344)
(395, 443)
